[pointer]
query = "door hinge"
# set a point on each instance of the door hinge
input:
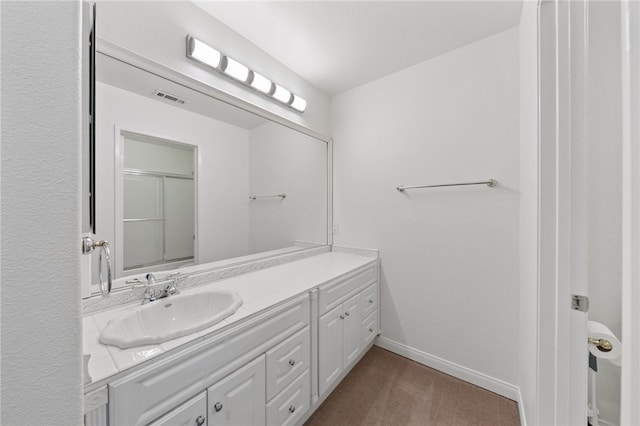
(579, 303)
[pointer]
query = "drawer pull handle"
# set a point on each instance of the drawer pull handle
(292, 409)
(200, 421)
(217, 407)
(292, 362)
(346, 313)
(341, 316)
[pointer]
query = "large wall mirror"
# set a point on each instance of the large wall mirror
(184, 179)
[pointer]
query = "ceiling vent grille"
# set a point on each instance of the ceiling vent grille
(168, 96)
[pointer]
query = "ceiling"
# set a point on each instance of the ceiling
(339, 45)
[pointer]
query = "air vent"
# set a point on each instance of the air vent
(168, 96)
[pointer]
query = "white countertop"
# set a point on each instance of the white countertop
(259, 290)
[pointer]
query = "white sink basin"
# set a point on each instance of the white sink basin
(170, 318)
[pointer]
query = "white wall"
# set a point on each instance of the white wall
(223, 171)
(450, 280)
(528, 312)
(605, 195)
(41, 174)
(282, 160)
(158, 30)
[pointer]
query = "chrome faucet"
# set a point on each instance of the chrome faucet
(150, 294)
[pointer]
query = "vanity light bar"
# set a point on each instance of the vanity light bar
(207, 55)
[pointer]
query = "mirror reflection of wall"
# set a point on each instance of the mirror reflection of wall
(237, 154)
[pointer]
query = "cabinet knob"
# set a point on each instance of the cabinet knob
(217, 407)
(371, 330)
(341, 316)
(346, 314)
(292, 409)
(292, 362)
(370, 300)
(200, 420)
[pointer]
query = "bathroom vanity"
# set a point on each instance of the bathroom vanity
(309, 312)
(302, 326)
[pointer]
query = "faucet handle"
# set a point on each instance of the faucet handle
(175, 277)
(171, 290)
(135, 282)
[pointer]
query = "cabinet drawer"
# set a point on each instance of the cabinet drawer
(369, 328)
(334, 293)
(191, 413)
(150, 392)
(292, 403)
(287, 361)
(369, 300)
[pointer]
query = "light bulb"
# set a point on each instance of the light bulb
(261, 83)
(203, 53)
(282, 94)
(298, 103)
(235, 69)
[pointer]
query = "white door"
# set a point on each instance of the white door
(239, 398)
(562, 342)
(330, 347)
(351, 329)
(577, 188)
(630, 389)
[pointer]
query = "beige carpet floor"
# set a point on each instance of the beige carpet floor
(387, 389)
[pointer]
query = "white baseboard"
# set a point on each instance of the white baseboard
(479, 379)
(523, 417)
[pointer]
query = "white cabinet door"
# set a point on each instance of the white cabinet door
(191, 413)
(351, 330)
(330, 347)
(341, 339)
(239, 399)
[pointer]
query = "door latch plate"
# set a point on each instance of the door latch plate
(579, 303)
